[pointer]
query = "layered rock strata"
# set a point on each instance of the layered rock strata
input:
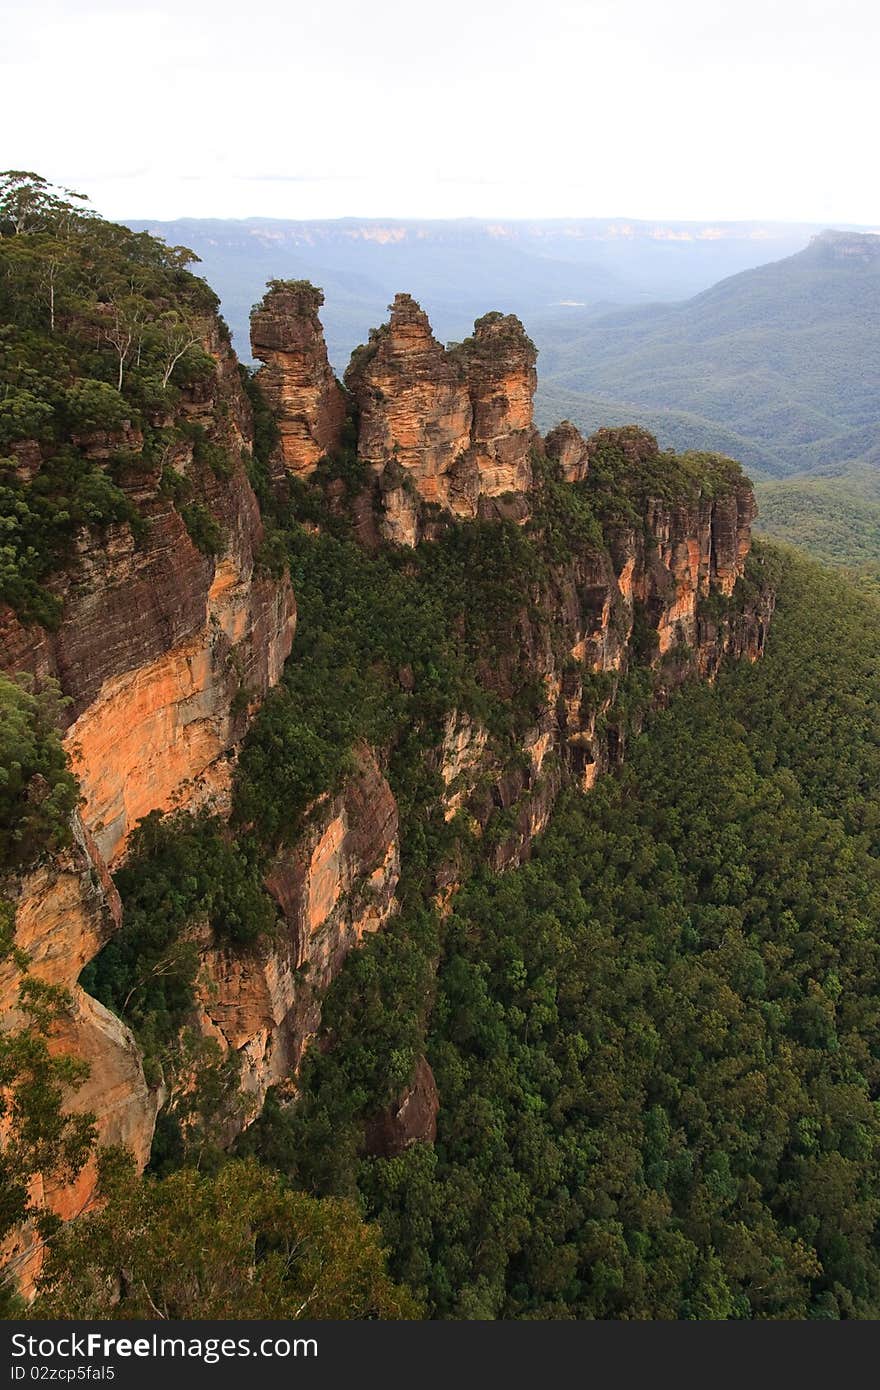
(447, 429)
(671, 577)
(162, 652)
(336, 884)
(296, 379)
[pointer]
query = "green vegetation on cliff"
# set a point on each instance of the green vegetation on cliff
(37, 790)
(655, 1044)
(236, 1245)
(100, 329)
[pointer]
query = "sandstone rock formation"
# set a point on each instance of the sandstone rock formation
(502, 380)
(412, 1119)
(162, 651)
(336, 884)
(66, 908)
(577, 635)
(443, 428)
(566, 446)
(297, 380)
(162, 647)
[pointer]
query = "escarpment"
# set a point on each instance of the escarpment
(66, 908)
(657, 597)
(609, 619)
(170, 631)
(584, 580)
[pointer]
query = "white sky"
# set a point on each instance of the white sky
(703, 109)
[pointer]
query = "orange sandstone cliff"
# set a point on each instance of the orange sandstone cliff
(443, 428)
(162, 652)
(427, 419)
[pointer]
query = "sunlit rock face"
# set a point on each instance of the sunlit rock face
(163, 650)
(66, 909)
(502, 379)
(448, 429)
(648, 595)
(333, 887)
(296, 378)
(163, 654)
(566, 446)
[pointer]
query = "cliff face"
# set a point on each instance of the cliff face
(438, 428)
(658, 586)
(162, 651)
(656, 593)
(334, 886)
(66, 909)
(162, 647)
(297, 380)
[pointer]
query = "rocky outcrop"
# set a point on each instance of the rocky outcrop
(502, 379)
(447, 429)
(660, 593)
(566, 446)
(296, 379)
(336, 884)
(411, 1119)
(66, 909)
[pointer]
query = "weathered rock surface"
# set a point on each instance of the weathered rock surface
(566, 445)
(500, 363)
(296, 379)
(412, 1119)
(66, 909)
(162, 648)
(162, 651)
(443, 428)
(669, 574)
(336, 884)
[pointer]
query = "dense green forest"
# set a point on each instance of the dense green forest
(656, 1044)
(835, 519)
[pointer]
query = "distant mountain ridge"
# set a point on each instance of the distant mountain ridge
(786, 356)
(542, 270)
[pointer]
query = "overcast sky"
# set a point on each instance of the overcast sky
(644, 108)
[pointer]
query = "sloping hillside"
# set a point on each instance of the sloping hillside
(786, 355)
